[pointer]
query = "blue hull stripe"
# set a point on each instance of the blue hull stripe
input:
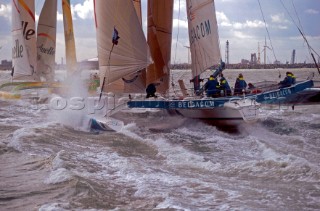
(284, 95)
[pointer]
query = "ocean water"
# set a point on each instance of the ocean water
(159, 162)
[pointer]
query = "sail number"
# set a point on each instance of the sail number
(200, 31)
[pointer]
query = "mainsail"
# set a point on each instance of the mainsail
(137, 6)
(24, 40)
(46, 40)
(160, 15)
(122, 47)
(136, 82)
(71, 58)
(203, 35)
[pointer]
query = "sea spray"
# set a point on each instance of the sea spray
(75, 107)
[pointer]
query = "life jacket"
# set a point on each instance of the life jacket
(224, 85)
(212, 87)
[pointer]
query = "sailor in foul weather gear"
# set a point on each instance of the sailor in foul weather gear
(224, 86)
(289, 80)
(151, 90)
(212, 87)
(240, 85)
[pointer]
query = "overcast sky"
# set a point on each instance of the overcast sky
(240, 21)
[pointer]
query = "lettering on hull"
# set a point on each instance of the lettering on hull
(278, 94)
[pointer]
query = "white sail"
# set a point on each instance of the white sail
(203, 35)
(136, 82)
(128, 54)
(24, 40)
(46, 40)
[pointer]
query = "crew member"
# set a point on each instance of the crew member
(224, 85)
(289, 80)
(240, 85)
(212, 87)
(151, 90)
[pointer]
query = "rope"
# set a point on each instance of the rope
(104, 78)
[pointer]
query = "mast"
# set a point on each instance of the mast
(71, 58)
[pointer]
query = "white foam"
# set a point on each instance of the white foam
(128, 131)
(57, 176)
(55, 207)
(57, 162)
(170, 204)
(19, 135)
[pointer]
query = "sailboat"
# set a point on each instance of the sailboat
(205, 53)
(133, 82)
(122, 49)
(33, 51)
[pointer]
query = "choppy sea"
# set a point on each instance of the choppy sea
(273, 164)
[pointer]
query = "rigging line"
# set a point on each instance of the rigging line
(265, 23)
(107, 73)
(294, 7)
(310, 48)
(300, 30)
(104, 78)
(175, 56)
(304, 37)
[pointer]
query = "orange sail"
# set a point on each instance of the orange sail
(160, 14)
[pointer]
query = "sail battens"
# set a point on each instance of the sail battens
(130, 53)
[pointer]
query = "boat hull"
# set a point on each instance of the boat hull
(105, 124)
(232, 113)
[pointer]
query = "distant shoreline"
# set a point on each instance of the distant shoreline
(253, 66)
(94, 65)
